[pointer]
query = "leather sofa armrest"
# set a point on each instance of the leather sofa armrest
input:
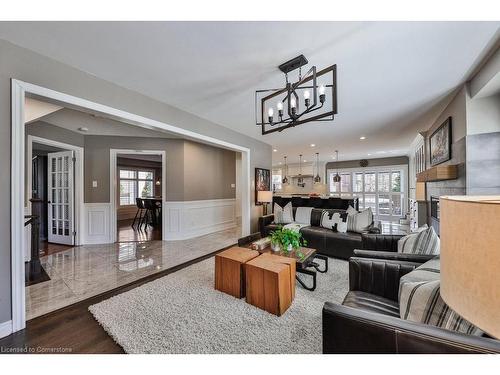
(263, 221)
(389, 255)
(381, 242)
(347, 330)
(378, 276)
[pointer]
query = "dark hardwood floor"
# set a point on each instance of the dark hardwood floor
(128, 234)
(73, 329)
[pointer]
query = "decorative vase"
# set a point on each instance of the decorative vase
(276, 247)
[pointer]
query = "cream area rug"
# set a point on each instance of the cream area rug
(182, 313)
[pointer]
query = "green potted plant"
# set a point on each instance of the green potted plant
(286, 240)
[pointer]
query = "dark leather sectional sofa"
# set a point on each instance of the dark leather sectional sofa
(325, 241)
(368, 320)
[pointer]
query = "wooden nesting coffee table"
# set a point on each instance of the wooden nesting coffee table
(306, 264)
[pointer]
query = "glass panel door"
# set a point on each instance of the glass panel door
(61, 205)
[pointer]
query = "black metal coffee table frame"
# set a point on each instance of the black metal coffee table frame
(305, 269)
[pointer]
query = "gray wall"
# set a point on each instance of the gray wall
(31, 67)
(483, 144)
(457, 110)
(208, 172)
(379, 162)
(44, 130)
(97, 163)
(483, 164)
(195, 171)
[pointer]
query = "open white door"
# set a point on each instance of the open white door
(61, 197)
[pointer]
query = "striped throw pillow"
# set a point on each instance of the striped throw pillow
(424, 242)
(420, 301)
(360, 221)
(283, 215)
(429, 271)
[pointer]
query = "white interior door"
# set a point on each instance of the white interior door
(61, 197)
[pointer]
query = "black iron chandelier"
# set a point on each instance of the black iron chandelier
(318, 90)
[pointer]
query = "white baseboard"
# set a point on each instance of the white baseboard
(5, 328)
(97, 225)
(191, 219)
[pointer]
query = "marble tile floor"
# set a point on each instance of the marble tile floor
(85, 271)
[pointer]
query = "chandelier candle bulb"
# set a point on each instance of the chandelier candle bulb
(280, 109)
(293, 105)
(322, 95)
(307, 95)
(270, 113)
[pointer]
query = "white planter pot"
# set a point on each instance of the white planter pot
(277, 248)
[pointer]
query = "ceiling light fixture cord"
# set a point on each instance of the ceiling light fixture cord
(317, 178)
(336, 178)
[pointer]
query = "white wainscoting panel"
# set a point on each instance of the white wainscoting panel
(97, 223)
(5, 328)
(191, 219)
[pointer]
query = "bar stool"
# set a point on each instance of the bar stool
(140, 210)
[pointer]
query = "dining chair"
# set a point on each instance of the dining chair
(140, 210)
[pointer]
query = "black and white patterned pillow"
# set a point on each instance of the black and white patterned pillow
(335, 221)
(420, 301)
(424, 242)
(329, 219)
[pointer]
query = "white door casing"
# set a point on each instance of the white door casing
(19, 89)
(61, 197)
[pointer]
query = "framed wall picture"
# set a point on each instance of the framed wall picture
(440, 143)
(262, 181)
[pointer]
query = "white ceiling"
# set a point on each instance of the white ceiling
(35, 109)
(390, 74)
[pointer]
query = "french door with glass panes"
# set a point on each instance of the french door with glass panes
(61, 197)
(381, 189)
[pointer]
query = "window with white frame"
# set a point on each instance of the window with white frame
(135, 183)
(381, 188)
(277, 178)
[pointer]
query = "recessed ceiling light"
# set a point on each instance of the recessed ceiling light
(279, 163)
(83, 129)
(369, 154)
(305, 160)
(362, 137)
(274, 150)
(313, 145)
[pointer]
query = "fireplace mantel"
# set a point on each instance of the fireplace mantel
(438, 173)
